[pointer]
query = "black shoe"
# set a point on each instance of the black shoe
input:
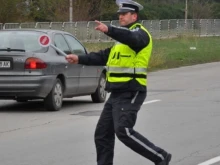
(166, 160)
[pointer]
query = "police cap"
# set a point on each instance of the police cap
(129, 6)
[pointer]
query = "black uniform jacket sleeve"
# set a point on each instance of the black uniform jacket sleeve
(95, 58)
(136, 39)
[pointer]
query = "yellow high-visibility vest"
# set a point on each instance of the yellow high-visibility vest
(124, 64)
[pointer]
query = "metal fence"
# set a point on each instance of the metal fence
(159, 29)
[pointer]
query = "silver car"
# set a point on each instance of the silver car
(30, 71)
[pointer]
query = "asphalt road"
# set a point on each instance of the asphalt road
(181, 114)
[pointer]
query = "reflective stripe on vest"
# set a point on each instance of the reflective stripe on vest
(126, 70)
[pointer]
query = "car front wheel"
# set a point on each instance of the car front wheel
(54, 100)
(100, 94)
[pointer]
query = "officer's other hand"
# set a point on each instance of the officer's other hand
(72, 58)
(101, 27)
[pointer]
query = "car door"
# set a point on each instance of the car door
(72, 70)
(88, 80)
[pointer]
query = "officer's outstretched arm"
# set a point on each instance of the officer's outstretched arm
(95, 58)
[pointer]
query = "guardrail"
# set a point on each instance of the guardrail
(159, 29)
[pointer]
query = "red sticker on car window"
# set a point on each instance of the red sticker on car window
(44, 40)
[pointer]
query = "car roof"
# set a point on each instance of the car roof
(37, 30)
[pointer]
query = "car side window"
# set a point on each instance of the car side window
(76, 46)
(61, 43)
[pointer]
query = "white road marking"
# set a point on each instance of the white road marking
(152, 101)
(208, 162)
(211, 161)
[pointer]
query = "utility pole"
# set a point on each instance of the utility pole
(193, 9)
(186, 10)
(71, 11)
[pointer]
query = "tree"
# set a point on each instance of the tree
(42, 10)
(8, 10)
(86, 10)
(108, 10)
(216, 10)
(201, 9)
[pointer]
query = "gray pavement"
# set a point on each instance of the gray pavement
(184, 120)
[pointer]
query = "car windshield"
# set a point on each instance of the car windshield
(22, 41)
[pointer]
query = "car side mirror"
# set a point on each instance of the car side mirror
(78, 51)
(68, 52)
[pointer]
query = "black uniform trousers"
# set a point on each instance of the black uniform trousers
(118, 118)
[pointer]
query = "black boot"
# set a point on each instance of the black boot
(166, 160)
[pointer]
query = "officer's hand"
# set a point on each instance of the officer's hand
(72, 58)
(101, 27)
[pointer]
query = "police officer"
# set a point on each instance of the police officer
(127, 63)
